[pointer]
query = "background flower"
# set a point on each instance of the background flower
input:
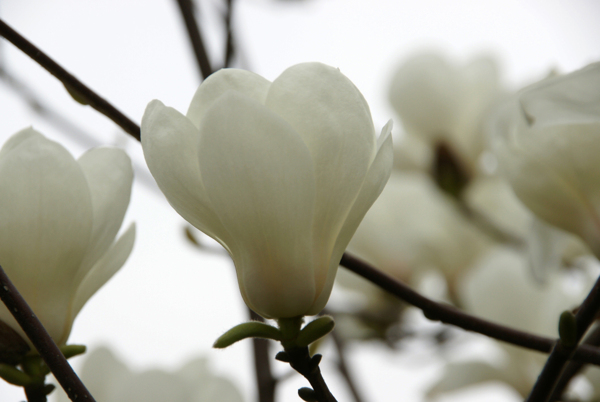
(110, 380)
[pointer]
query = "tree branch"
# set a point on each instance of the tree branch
(574, 367)
(187, 12)
(343, 367)
(42, 341)
(265, 381)
(229, 46)
(450, 315)
(548, 378)
(72, 83)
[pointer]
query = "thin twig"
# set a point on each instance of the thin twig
(450, 315)
(187, 12)
(343, 367)
(74, 85)
(229, 46)
(548, 378)
(265, 381)
(42, 341)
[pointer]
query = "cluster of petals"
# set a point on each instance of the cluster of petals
(280, 173)
(59, 219)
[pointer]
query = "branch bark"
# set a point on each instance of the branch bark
(69, 81)
(450, 315)
(42, 341)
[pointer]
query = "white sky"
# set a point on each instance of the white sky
(170, 302)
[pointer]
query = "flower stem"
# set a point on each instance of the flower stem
(42, 341)
(35, 394)
(301, 361)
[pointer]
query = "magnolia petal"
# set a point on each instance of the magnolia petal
(375, 181)
(170, 143)
(17, 139)
(109, 175)
(46, 216)
(262, 186)
(569, 99)
(559, 173)
(108, 264)
(228, 79)
(334, 120)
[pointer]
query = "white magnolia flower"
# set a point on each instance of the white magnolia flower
(58, 221)
(280, 173)
(110, 380)
(438, 101)
(548, 142)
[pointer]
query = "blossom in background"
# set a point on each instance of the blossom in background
(548, 141)
(500, 288)
(280, 173)
(439, 102)
(110, 380)
(58, 221)
(414, 227)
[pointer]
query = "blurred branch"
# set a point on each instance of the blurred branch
(187, 12)
(64, 125)
(265, 381)
(42, 341)
(450, 315)
(574, 367)
(340, 347)
(562, 352)
(73, 85)
(229, 45)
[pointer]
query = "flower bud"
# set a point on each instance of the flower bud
(280, 173)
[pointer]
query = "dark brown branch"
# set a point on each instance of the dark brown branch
(265, 381)
(548, 378)
(42, 341)
(303, 363)
(451, 315)
(75, 86)
(187, 12)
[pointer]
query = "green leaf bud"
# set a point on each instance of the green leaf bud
(251, 329)
(315, 330)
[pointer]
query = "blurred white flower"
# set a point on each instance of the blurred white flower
(548, 142)
(110, 380)
(413, 227)
(500, 288)
(58, 221)
(280, 173)
(441, 102)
